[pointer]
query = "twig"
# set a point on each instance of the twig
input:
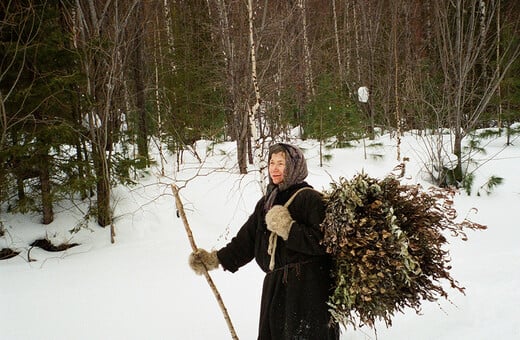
(182, 215)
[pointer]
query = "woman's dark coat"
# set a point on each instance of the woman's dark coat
(294, 294)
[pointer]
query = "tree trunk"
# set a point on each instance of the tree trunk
(157, 63)
(257, 145)
(499, 89)
(396, 83)
(104, 215)
(103, 65)
(457, 173)
(46, 190)
(309, 87)
(237, 117)
(336, 39)
(142, 132)
(243, 136)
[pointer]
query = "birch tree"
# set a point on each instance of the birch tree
(259, 146)
(101, 39)
(307, 59)
(462, 34)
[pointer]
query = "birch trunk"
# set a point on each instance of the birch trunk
(396, 83)
(358, 45)
(169, 31)
(309, 87)
(346, 24)
(336, 38)
(157, 55)
(255, 119)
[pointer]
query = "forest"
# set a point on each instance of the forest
(88, 87)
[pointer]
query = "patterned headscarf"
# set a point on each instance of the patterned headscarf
(295, 170)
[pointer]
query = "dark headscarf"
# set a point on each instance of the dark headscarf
(295, 170)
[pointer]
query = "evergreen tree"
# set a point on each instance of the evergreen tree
(41, 82)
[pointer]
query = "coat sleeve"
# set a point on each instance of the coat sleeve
(308, 211)
(241, 249)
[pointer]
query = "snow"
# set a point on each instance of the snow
(363, 94)
(141, 287)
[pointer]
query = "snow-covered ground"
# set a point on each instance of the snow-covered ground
(141, 287)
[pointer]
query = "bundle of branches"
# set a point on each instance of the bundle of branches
(387, 240)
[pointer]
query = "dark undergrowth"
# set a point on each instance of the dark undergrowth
(7, 253)
(47, 245)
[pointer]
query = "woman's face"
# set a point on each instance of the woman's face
(277, 167)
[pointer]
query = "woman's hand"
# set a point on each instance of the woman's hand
(201, 261)
(279, 221)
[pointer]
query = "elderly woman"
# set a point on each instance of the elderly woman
(283, 235)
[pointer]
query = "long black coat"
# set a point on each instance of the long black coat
(294, 294)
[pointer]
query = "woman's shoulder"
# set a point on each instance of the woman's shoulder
(306, 192)
(260, 202)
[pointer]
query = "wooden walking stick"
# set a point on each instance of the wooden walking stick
(182, 214)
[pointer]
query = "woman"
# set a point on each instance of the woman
(297, 281)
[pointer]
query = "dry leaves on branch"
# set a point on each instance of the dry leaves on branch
(388, 241)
